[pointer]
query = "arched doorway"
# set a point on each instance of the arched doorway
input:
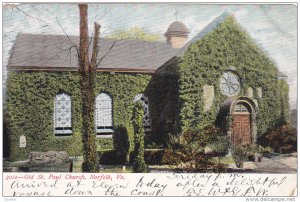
(237, 117)
(241, 124)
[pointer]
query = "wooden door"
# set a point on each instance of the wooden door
(241, 129)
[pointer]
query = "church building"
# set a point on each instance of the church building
(219, 77)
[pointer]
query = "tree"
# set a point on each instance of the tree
(134, 33)
(87, 71)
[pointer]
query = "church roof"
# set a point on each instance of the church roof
(56, 52)
(209, 28)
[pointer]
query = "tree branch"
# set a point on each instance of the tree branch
(63, 50)
(30, 15)
(105, 11)
(106, 53)
(71, 42)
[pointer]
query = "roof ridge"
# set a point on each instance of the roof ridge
(54, 52)
(106, 38)
(206, 30)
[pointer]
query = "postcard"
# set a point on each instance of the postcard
(149, 99)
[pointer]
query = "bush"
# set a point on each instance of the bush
(109, 158)
(267, 150)
(121, 144)
(190, 148)
(154, 157)
(172, 158)
(283, 139)
(151, 157)
(240, 154)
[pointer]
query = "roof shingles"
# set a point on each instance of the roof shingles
(36, 51)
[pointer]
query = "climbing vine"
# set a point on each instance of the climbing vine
(30, 106)
(179, 84)
(175, 94)
(139, 164)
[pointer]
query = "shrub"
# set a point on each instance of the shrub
(266, 150)
(139, 164)
(191, 144)
(154, 157)
(283, 139)
(161, 157)
(153, 145)
(108, 158)
(172, 158)
(240, 154)
(121, 144)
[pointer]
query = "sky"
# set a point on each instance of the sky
(273, 26)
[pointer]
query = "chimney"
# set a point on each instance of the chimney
(177, 34)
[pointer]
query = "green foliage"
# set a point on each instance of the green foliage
(134, 33)
(191, 145)
(110, 157)
(163, 157)
(220, 145)
(121, 144)
(171, 157)
(178, 85)
(6, 137)
(284, 101)
(193, 141)
(240, 154)
(122, 88)
(283, 139)
(164, 103)
(139, 164)
(30, 106)
(176, 101)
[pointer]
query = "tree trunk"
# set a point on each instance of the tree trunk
(87, 84)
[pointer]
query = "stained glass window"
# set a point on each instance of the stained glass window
(145, 102)
(103, 113)
(62, 114)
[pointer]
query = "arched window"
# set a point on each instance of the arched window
(62, 115)
(103, 113)
(145, 102)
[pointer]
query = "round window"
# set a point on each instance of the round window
(230, 84)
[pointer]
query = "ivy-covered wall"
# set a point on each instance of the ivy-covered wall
(29, 109)
(181, 82)
(175, 94)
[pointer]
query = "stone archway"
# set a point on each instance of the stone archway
(242, 128)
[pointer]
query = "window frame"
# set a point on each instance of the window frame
(137, 98)
(106, 130)
(61, 130)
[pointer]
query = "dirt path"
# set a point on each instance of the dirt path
(278, 164)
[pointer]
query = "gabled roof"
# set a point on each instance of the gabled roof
(209, 28)
(52, 52)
